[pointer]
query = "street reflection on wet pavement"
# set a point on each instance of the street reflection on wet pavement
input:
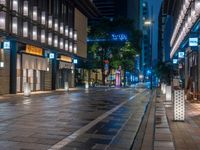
(87, 119)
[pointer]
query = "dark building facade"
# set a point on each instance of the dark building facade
(184, 42)
(39, 41)
(131, 9)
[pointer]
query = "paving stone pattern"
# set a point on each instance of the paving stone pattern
(38, 122)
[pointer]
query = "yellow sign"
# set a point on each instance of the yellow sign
(66, 58)
(34, 50)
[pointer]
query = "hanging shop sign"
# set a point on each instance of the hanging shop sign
(6, 45)
(75, 61)
(181, 55)
(193, 42)
(65, 58)
(34, 50)
(175, 61)
(51, 55)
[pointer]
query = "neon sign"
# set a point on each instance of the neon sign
(119, 37)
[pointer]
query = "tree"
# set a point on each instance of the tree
(115, 42)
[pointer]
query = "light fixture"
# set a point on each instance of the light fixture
(75, 35)
(25, 8)
(75, 48)
(25, 29)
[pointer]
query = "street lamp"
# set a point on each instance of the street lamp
(150, 24)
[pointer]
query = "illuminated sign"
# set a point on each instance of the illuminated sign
(181, 55)
(119, 37)
(75, 61)
(66, 58)
(51, 55)
(34, 50)
(175, 61)
(193, 42)
(6, 45)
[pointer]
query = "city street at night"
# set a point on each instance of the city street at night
(99, 118)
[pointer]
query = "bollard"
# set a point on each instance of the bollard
(66, 86)
(164, 89)
(86, 85)
(27, 89)
(179, 105)
(168, 93)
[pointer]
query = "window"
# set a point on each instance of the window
(66, 30)
(43, 36)
(34, 33)
(50, 38)
(61, 43)
(70, 47)
(43, 18)
(75, 35)
(50, 21)
(56, 24)
(25, 29)
(66, 45)
(55, 41)
(14, 25)
(15, 5)
(35, 13)
(3, 2)
(25, 8)
(2, 20)
(75, 48)
(61, 28)
(71, 33)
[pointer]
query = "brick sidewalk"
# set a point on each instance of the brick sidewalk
(186, 134)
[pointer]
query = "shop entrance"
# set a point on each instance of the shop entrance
(62, 78)
(30, 69)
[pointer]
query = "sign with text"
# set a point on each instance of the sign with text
(66, 58)
(193, 42)
(181, 55)
(34, 50)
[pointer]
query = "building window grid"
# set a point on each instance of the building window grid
(36, 24)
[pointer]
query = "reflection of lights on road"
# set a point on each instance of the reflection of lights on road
(26, 101)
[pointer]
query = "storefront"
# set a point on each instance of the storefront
(31, 69)
(65, 72)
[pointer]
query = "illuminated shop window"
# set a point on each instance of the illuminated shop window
(15, 5)
(34, 33)
(66, 45)
(50, 22)
(14, 25)
(35, 13)
(55, 41)
(43, 18)
(25, 29)
(43, 36)
(50, 38)
(61, 43)
(2, 20)
(25, 8)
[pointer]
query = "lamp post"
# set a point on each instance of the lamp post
(150, 23)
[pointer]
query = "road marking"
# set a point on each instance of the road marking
(85, 128)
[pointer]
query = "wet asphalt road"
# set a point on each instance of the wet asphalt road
(80, 120)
